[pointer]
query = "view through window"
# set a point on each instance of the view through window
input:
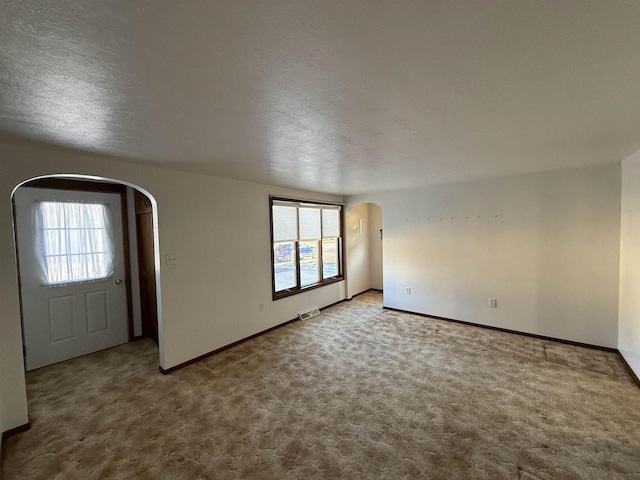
(307, 245)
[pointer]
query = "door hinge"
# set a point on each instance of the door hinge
(24, 351)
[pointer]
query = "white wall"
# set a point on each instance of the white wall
(2, 429)
(3, 420)
(357, 243)
(375, 246)
(546, 245)
(217, 228)
(629, 308)
(13, 400)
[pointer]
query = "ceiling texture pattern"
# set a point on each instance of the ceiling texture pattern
(339, 96)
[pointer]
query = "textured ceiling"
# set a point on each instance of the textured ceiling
(336, 96)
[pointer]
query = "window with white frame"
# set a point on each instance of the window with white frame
(306, 245)
(74, 242)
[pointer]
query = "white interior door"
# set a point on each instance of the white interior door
(71, 255)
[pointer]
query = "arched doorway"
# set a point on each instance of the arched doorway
(80, 265)
(364, 248)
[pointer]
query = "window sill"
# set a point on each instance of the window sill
(296, 291)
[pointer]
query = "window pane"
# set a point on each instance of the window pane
(330, 266)
(56, 268)
(77, 241)
(77, 267)
(309, 263)
(74, 241)
(284, 266)
(284, 252)
(309, 223)
(73, 215)
(285, 223)
(54, 241)
(98, 241)
(330, 223)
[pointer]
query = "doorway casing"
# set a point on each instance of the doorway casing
(156, 252)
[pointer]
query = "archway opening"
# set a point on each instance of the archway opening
(364, 248)
(80, 269)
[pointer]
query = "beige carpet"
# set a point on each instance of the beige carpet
(357, 392)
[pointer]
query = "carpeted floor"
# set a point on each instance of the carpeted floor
(357, 392)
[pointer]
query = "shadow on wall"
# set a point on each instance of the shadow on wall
(364, 248)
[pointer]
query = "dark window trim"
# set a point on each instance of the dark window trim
(323, 282)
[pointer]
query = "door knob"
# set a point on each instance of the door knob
(118, 281)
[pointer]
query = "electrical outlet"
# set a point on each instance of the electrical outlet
(171, 260)
(407, 290)
(261, 307)
(493, 303)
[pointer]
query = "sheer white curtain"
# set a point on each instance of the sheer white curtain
(74, 242)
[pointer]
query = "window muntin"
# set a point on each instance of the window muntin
(74, 242)
(307, 242)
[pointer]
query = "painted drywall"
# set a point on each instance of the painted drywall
(364, 248)
(629, 307)
(134, 281)
(545, 245)
(13, 398)
(375, 246)
(2, 416)
(357, 243)
(217, 228)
